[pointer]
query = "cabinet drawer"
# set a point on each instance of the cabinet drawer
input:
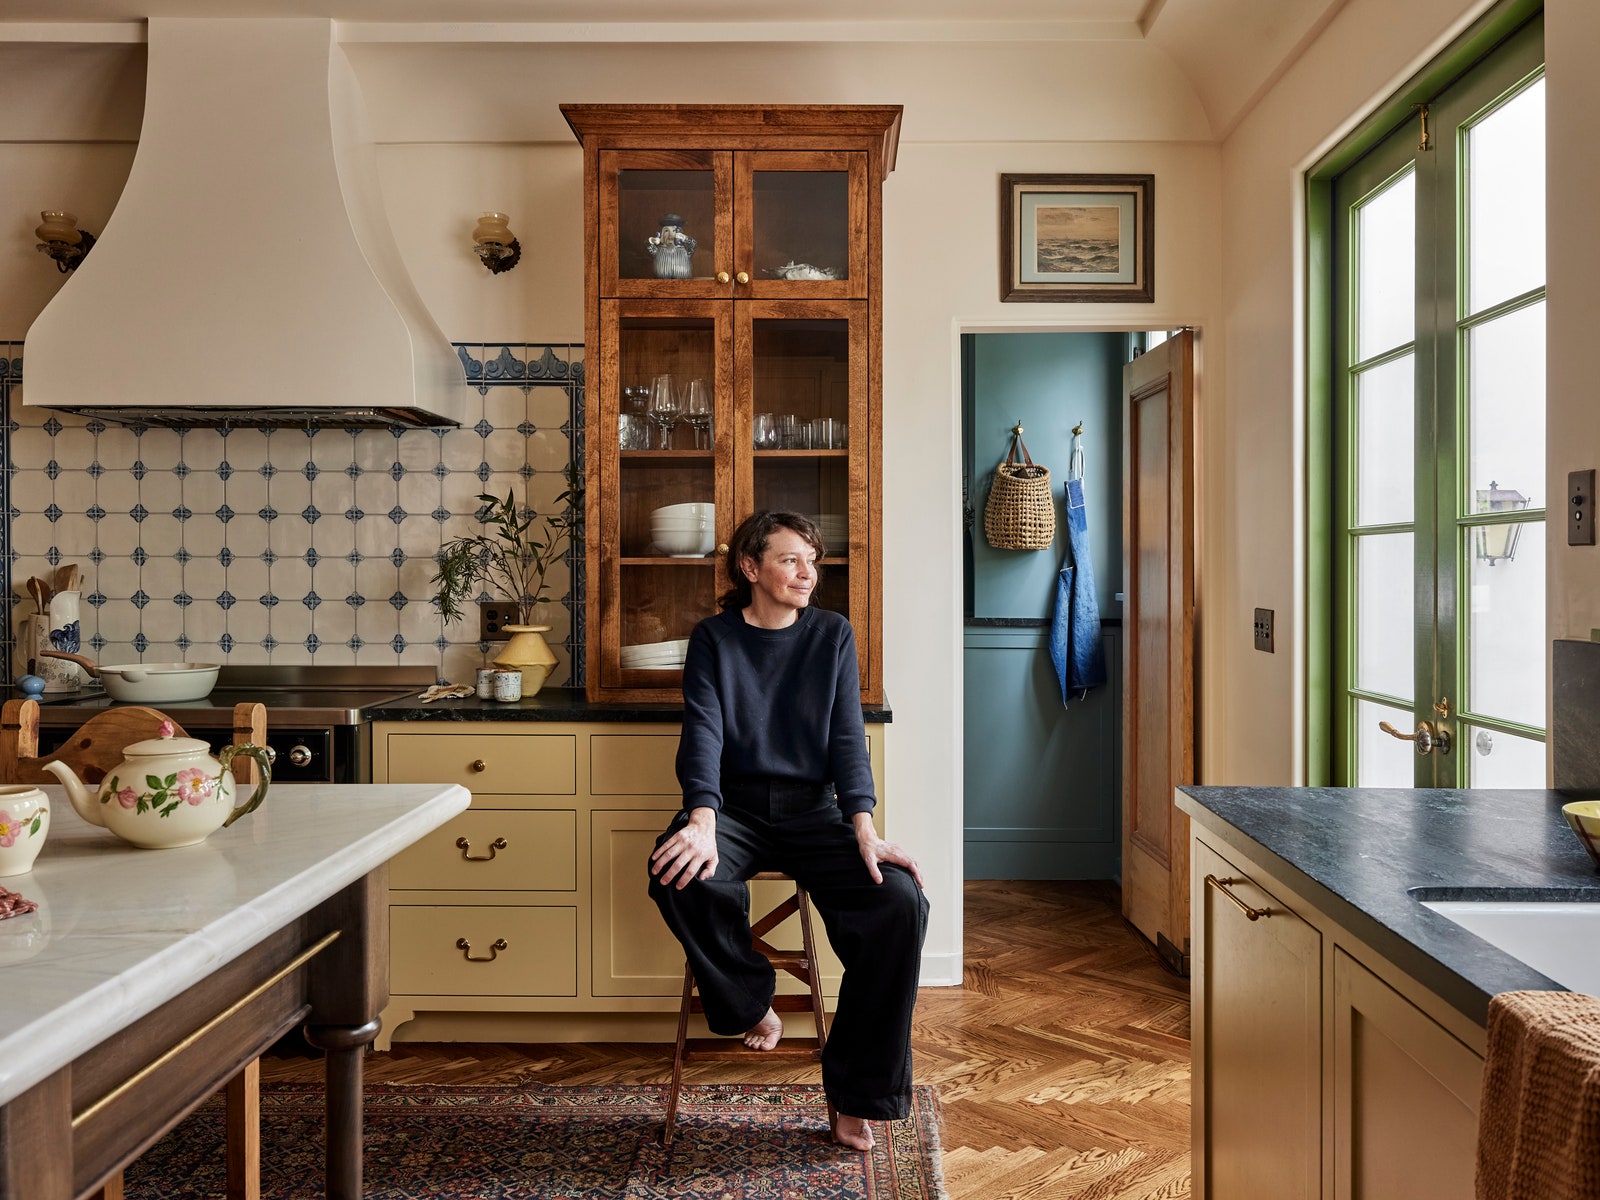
(539, 958)
(506, 763)
(634, 764)
(539, 853)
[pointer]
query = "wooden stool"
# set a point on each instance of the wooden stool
(802, 964)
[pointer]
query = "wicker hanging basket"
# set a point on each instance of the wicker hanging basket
(1020, 513)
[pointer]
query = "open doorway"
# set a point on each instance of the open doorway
(1043, 775)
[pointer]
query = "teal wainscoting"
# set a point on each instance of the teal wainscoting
(1043, 799)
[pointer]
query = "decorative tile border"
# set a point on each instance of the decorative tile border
(287, 546)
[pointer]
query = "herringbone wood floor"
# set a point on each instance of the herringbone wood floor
(1062, 1062)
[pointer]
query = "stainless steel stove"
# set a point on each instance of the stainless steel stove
(317, 717)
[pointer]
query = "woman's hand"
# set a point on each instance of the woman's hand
(689, 854)
(875, 850)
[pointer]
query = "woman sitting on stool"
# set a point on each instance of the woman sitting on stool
(775, 776)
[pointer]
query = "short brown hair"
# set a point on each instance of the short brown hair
(750, 541)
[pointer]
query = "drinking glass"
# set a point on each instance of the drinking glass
(789, 432)
(766, 431)
(665, 408)
(697, 410)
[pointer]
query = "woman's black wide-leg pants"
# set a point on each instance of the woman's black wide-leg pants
(876, 929)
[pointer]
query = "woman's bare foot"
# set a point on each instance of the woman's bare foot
(854, 1132)
(764, 1034)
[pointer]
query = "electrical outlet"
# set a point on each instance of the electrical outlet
(1580, 508)
(1264, 629)
(493, 617)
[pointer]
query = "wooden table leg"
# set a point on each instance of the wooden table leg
(344, 1047)
(111, 1189)
(244, 1134)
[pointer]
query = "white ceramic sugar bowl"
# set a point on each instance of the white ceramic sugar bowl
(24, 824)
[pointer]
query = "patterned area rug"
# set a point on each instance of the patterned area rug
(532, 1142)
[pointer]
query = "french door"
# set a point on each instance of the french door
(1439, 466)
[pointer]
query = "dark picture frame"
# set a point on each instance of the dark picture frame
(1084, 238)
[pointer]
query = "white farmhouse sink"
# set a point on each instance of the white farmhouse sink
(1557, 938)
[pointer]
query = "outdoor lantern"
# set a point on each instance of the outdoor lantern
(1496, 543)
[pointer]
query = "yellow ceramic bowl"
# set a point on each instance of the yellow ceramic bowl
(1584, 817)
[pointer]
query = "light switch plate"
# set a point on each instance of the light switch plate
(1264, 630)
(493, 617)
(1580, 508)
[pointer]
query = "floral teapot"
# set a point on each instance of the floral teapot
(168, 791)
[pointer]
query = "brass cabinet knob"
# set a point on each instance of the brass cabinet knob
(722, 277)
(742, 277)
(722, 548)
(479, 765)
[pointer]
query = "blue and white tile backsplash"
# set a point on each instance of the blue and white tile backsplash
(287, 546)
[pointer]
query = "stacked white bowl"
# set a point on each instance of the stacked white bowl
(684, 530)
(654, 656)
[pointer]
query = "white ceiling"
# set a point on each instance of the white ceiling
(1228, 51)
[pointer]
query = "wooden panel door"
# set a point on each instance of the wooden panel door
(1158, 640)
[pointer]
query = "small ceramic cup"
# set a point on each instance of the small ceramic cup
(24, 824)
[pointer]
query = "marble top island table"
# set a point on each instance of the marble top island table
(148, 978)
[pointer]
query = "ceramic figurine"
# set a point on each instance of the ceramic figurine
(672, 249)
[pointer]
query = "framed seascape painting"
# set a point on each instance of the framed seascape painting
(1078, 237)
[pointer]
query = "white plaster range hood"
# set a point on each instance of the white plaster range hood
(248, 275)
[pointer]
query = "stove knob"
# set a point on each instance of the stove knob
(272, 755)
(299, 756)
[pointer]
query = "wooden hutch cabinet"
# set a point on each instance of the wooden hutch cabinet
(740, 247)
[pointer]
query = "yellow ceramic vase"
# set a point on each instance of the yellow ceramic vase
(528, 652)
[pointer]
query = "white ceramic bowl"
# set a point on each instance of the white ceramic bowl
(698, 508)
(684, 543)
(690, 525)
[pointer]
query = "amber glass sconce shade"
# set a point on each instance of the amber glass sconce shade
(497, 246)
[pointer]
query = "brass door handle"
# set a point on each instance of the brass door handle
(722, 277)
(1251, 914)
(1428, 737)
(742, 277)
(495, 847)
(494, 951)
(479, 765)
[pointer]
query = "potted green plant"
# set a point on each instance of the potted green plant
(511, 554)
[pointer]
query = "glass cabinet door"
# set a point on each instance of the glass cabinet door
(666, 224)
(801, 224)
(802, 430)
(666, 500)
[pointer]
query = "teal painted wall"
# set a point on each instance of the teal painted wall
(1042, 780)
(1049, 382)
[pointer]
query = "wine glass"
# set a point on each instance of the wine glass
(665, 409)
(697, 409)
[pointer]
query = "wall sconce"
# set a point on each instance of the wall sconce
(1498, 543)
(60, 238)
(497, 245)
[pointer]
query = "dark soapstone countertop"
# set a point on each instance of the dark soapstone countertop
(552, 704)
(1368, 856)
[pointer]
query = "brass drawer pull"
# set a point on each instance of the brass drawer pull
(494, 848)
(1253, 914)
(479, 765)
(494, 951)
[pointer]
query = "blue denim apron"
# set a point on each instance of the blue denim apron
(1075, 632)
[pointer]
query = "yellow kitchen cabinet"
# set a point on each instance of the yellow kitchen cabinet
(1257, 991)
(1405, 1095)
(550, 861)
(1320, 1068)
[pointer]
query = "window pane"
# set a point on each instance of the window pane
(1505, 200)
(653, 204)
(1385, 636)
(1505, 624)
(1500, 760)
(1386, 268)
(1383, 761)
(1385, 442)
(1505, 383)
